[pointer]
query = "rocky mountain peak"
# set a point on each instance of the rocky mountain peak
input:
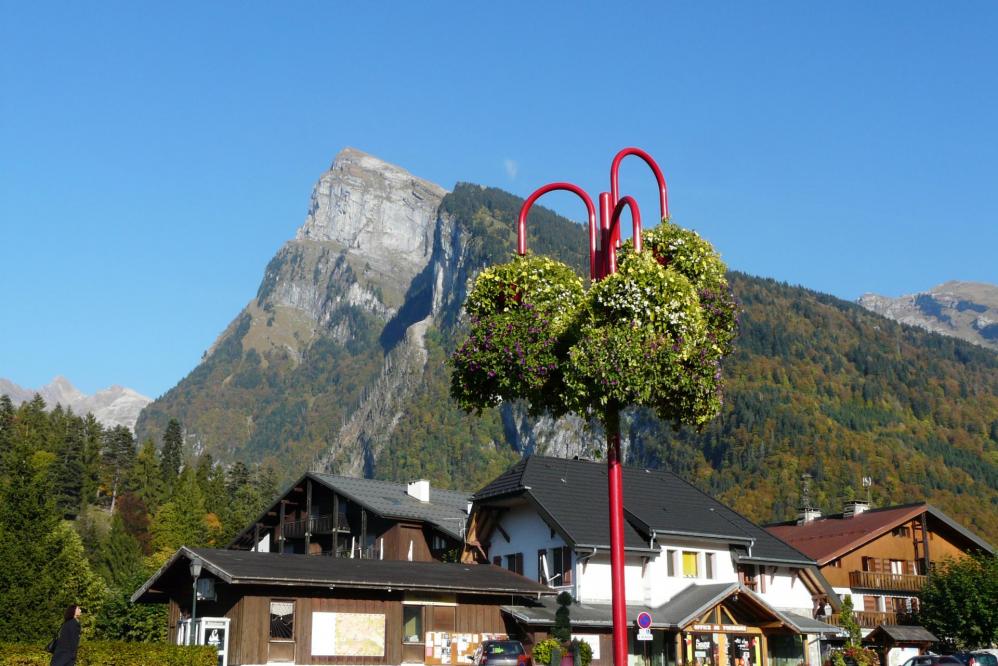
(113, 406)
(377, 210)
(966, 310)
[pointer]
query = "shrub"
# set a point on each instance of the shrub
(542, 651)
(114, 653)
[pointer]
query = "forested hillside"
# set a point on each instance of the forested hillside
(816, 385)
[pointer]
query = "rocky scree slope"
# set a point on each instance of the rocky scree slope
(340, 363)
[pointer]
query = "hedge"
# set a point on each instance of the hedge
(114, 653)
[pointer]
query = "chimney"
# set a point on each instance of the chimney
(806, 514)
(854, 508)
(419, 489)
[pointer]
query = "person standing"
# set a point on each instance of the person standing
(68, 640)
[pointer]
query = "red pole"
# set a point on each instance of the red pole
(603, 242)
(521, 221)
(615, 481)
(663, 195)
(614, 235)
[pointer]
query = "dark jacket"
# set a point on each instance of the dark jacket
(67, 644)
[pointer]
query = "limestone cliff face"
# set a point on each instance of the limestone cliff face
(375, 210)
(966, 310)
(327, 358)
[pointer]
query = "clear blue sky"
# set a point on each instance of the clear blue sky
(155, 156)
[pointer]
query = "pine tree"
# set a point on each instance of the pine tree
(183, 519)
(145, 480)
(69, 469)
(93, 435)
(118, 557)
(118, 458)
(172, 456)
(44, 567)
(847, 620)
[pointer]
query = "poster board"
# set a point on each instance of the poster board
(447, 648)
(348, 634)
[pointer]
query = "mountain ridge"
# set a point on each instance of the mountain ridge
(966, 310)
(341, 364)
(116, 405)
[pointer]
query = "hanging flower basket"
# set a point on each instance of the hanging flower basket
(653, 334)
(519, 312)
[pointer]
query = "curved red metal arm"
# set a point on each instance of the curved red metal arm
(663, 194)
(521, 222)
(614, 231)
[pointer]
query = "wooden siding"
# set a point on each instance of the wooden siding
(890, 547)
(397, 539)
(248, 609)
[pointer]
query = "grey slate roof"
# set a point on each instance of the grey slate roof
(241, 567)
(900, 633)
(446, 510)
(808, 625)
(677, 613)
(573, 494)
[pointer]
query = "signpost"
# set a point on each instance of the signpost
(644, 626)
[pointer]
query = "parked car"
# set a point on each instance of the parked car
(977, 658)
(933, 660)
(501, 653)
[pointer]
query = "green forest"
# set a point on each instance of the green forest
(89, 514)
(815, 385)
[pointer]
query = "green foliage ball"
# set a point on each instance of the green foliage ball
(519, 311)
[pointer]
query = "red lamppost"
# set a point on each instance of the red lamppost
(603, 244)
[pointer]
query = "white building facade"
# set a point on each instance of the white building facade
(547, 519)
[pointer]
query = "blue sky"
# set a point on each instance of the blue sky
(154, 157)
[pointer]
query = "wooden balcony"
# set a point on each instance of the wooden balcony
(317, 525)
(866, 619)
(890, 582)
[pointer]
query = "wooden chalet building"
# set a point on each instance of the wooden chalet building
(341, 570)
(339, 516)
(880, 557)
(268, 608)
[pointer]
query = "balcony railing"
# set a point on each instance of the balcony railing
(870, 580)
(866, 619)
(316, 525)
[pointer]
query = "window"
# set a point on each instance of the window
(903, 531)
(710, 565)
(561, 566)
(514, 563)
(897, 567)
(282, 620)
(690, 569)
(749, 578)
(670, 562)
(412, 624)
(541, 565)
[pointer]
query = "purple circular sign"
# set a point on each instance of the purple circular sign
(644, 620)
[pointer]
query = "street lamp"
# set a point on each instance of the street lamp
(604, 240)
(195, 574)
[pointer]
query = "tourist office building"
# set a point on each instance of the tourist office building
(352, 571)
(719, 590)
